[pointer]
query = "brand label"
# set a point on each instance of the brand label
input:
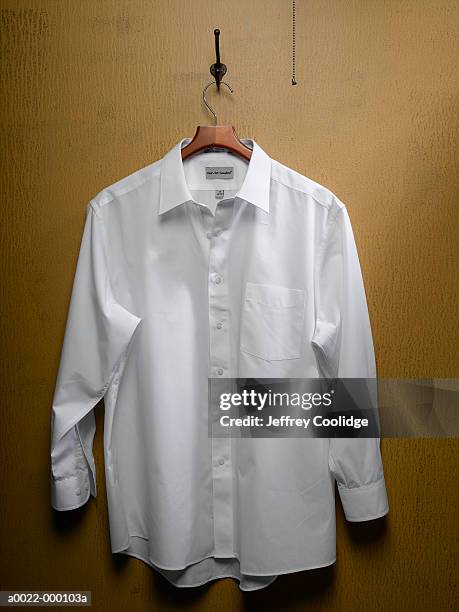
(219, 172)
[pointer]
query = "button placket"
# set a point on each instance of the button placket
(219, 342)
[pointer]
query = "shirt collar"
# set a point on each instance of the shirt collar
(254, 189)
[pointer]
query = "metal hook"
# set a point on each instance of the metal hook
(217, 70)
(204, 97)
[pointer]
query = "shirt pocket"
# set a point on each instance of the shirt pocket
(272, 321)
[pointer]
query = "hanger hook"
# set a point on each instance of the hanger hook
(204, 97)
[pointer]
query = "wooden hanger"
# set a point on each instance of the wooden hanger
(221, 136)
(216, 136)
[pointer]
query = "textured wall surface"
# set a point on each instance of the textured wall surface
(93, 90)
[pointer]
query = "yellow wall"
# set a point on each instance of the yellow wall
(94, 90)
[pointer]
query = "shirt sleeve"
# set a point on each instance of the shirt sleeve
(97, 333)
(343, 343)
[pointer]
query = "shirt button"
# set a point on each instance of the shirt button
(219, 325)
(78, 491)
(221, 461)
(218, 279)
(220, 371)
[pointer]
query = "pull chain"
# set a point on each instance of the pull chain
(293, 43)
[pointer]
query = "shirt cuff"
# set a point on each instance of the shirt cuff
(366, 502)
(71, 492)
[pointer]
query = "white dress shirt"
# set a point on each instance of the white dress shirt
(246, 269)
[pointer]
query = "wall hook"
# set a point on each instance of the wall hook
(217, 70)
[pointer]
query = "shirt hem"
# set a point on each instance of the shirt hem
(298, 569)
(196, 584)
(274, 573)
(122, 549)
